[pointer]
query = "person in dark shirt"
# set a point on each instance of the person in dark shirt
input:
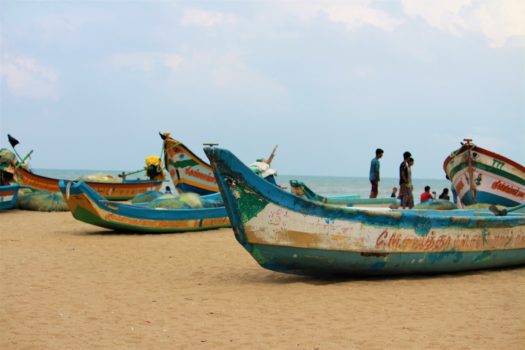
(394, 192)
(444, 195)
(405, 181)
(374, 173)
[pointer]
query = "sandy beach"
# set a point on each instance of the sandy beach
(69, 285)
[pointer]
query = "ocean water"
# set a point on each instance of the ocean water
(324, 185)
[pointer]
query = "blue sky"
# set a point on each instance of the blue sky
(88, 84)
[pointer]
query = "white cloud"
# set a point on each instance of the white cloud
(498, 20)
(352, 14)
(202, 18)
(146, 61)
(227, 71)
(26, 77)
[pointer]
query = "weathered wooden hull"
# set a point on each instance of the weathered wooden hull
(188, 172)
(482, 176)
(287, 233)
(116, 191)
(8, 196)
(87, 206)
(300, 189)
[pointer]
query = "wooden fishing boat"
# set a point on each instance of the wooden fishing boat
(188, 172)
(298, 188)
(88, 206)
(287, 233)
(117, 191)
(8, 196)
(482, 176)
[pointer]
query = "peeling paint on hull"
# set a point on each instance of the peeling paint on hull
(286, 233)
(308, 261)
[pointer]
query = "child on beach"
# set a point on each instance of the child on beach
(394, 192)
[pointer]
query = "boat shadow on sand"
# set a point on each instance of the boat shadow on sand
(278, 278)
(113, 233)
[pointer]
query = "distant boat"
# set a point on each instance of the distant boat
(482, 176)
(188, 172)
(351, 200)
(8, 196)
(89, 207)
(117, 191)
(289, 234)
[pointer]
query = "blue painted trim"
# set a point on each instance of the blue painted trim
(182, 187)
(487, 198)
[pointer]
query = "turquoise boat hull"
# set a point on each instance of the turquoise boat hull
(290, 234)
(88, 206)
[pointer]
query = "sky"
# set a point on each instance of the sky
(89, 84)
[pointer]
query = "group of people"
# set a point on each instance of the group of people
(405, 181)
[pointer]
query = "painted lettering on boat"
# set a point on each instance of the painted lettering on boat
(198, 174)
(434, 242)
(507, 188)
(496, 163)
(275, 217)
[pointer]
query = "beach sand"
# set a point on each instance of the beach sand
(69, 285)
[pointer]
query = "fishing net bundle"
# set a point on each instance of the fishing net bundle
(7, 164)
(483, 206)
(40, 200)
(184, 201)
(7, 157)
(99, 178)
(261, 168)
(436, 204)
(146, 197)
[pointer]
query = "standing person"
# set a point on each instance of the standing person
(374, 173)
(405, 180)
(410, 193)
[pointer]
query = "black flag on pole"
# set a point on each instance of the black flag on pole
(12, 140)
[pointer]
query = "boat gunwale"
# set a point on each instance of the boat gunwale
(138, 211)
(483, 151)
(98, 183)
(279, 197)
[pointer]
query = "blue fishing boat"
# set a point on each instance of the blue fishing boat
(88, 206)
(8, 196)
(350, 200)
(287, 233)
